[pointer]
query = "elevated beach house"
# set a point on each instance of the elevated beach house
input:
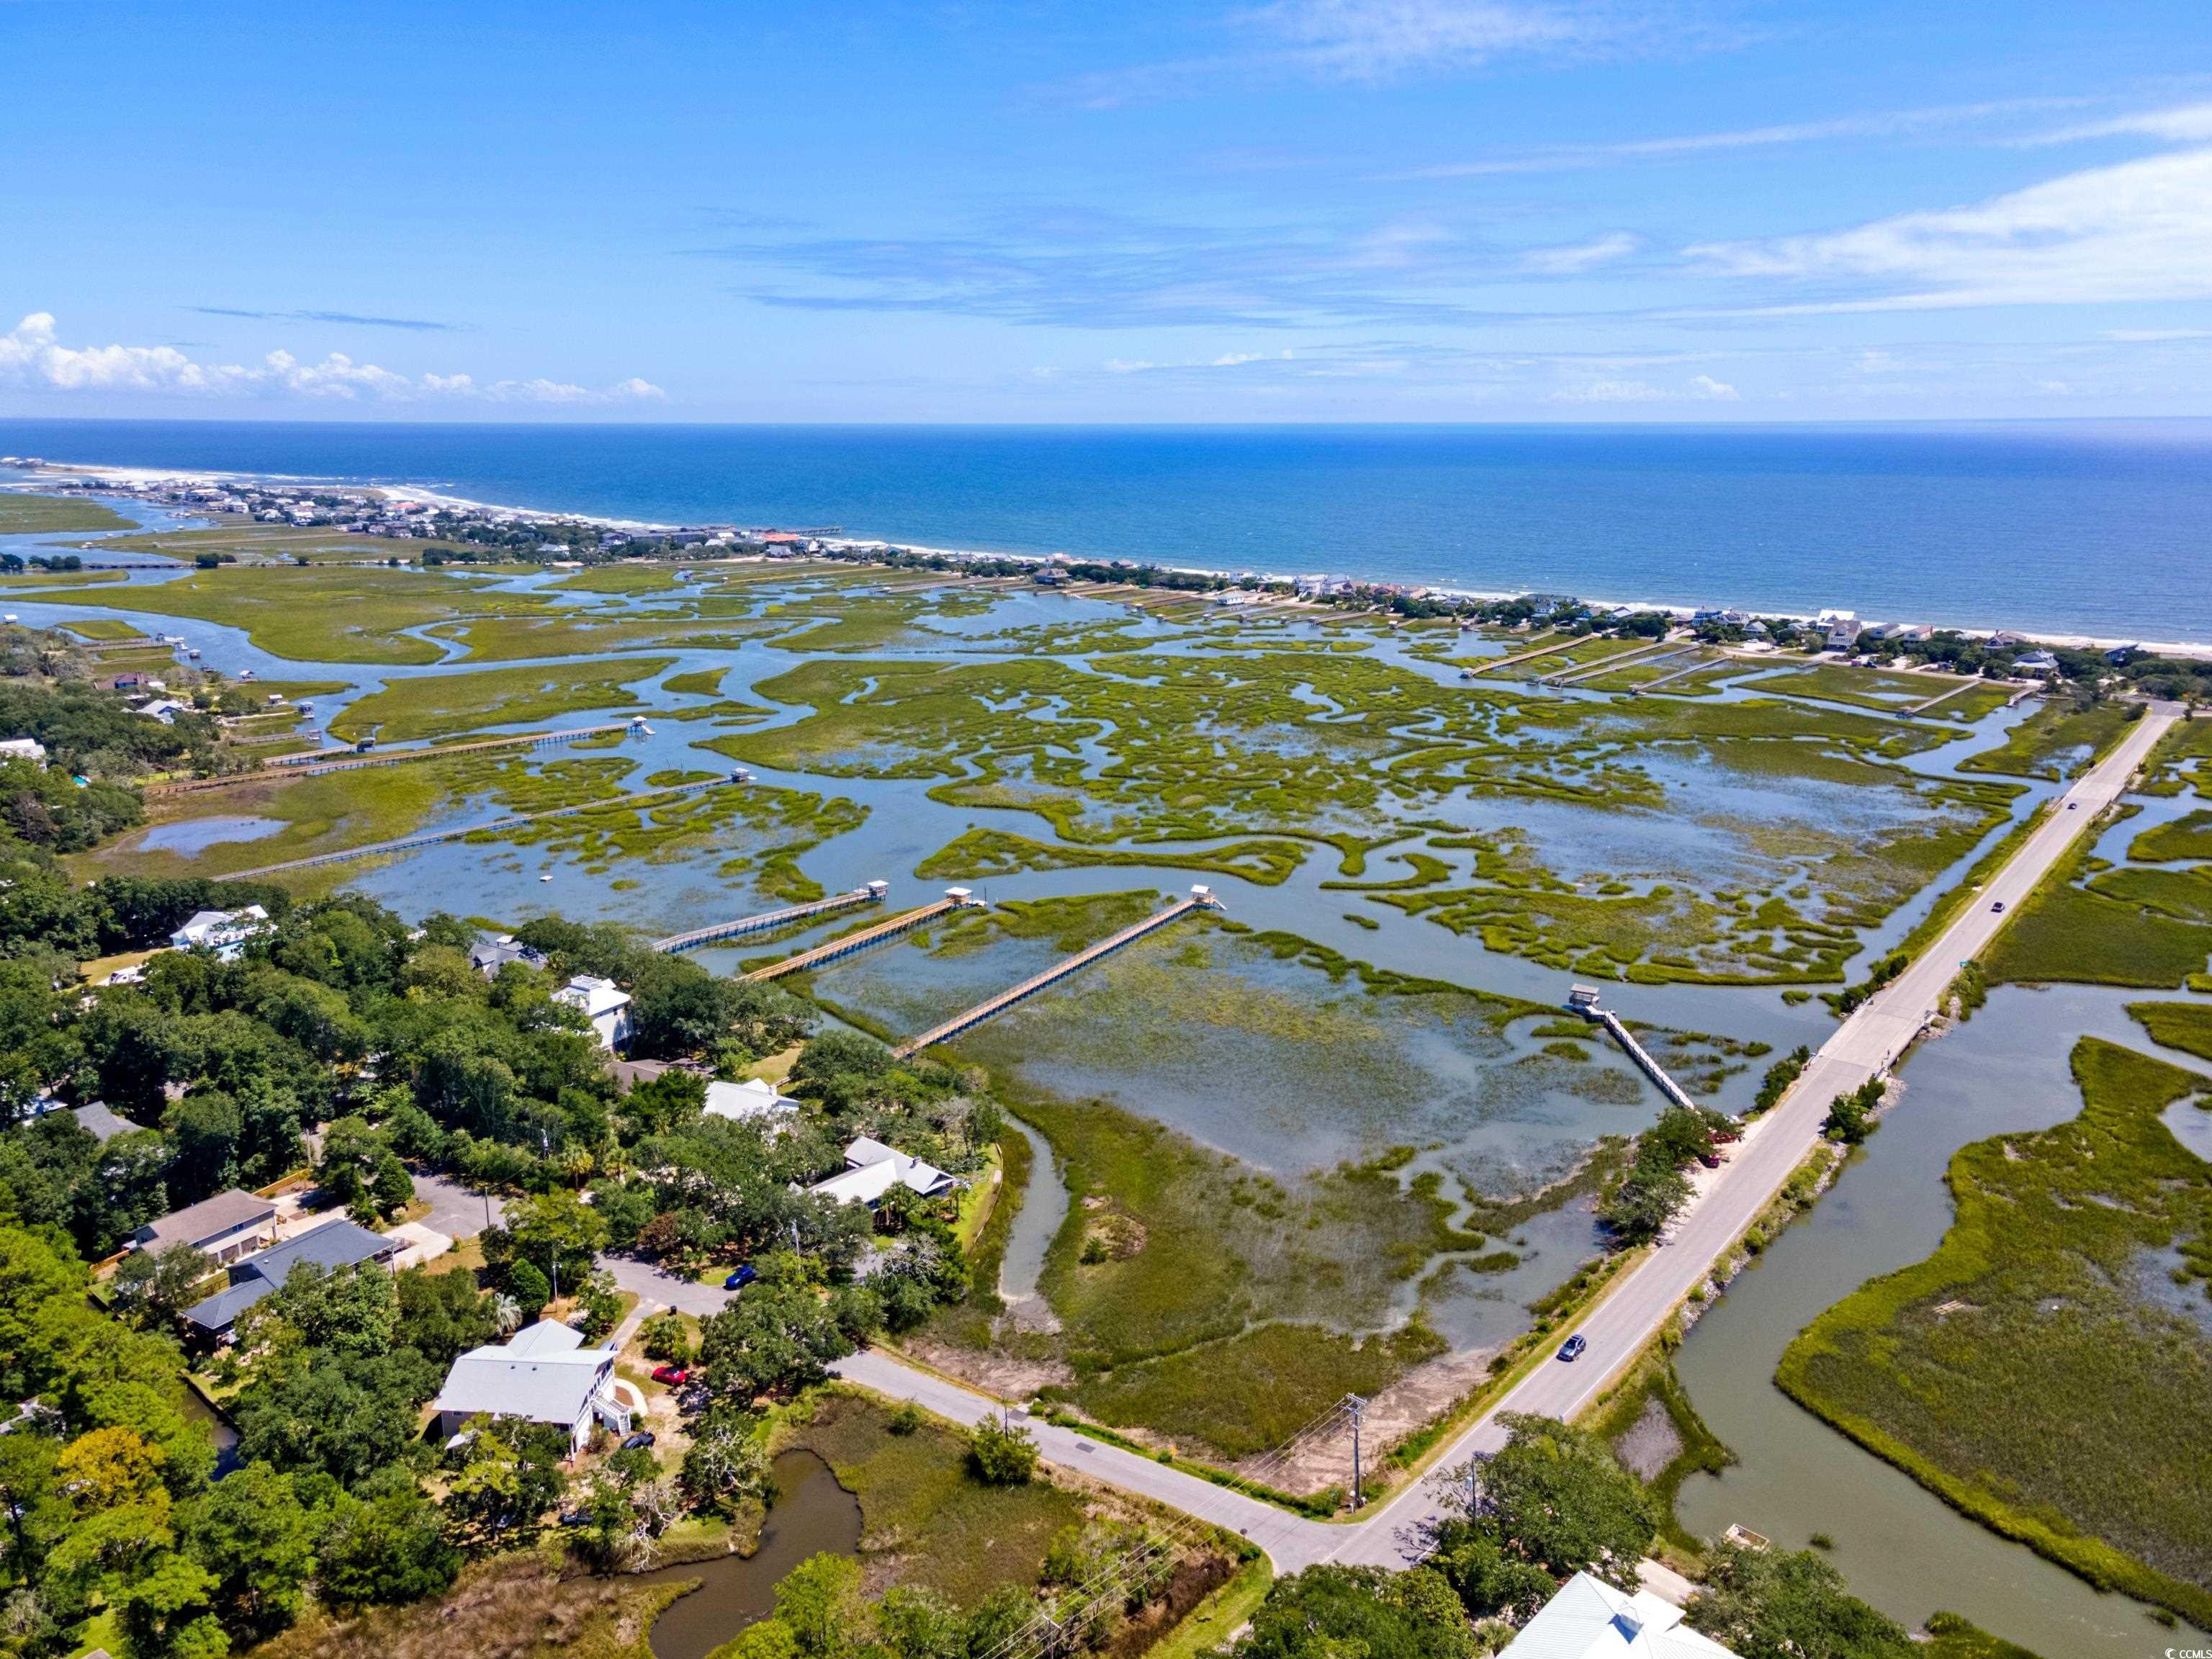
(541, 1375)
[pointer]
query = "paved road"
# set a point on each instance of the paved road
(1631, 1315)
(455, 1210)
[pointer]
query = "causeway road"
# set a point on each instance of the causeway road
(1626, 1320)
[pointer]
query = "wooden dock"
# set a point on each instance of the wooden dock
(1584, 1001)
(769, 921)
(1200, 899)
(316, 763)
(1606, 665)
(433, 838)
(956, 898)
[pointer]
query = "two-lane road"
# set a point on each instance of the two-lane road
(1631, 1314)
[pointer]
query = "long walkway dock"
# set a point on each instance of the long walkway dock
(956, 898)
(1966, 683)
(767, 921)
(317, 761)
(1584, 1001)
(1492, 665)
(433, 838)
(1200, 899)
(1619, 659)
(1669, 678)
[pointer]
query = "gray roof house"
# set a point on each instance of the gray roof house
(333, 1245)
(227, 1226)
(488, 956)
(103, 1122)
(541, 1375)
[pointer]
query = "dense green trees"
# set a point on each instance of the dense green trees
(1645, 1198)
(1771, 1604)
(1330, 1612)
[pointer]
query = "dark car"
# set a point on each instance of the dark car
(1571, 1349)
(642, 1438)
(575, 1518)
(1710, 1160)
(1999, 905)
(673, 1375)
(743, 1277)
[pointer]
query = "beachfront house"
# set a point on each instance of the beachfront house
(542, 1375)
(871, 1170)
(603, 1002)
(227, 1226)
(333, 1245)
(2035, 662)
(1590, 1620)
(749, 1102)
(223, 932)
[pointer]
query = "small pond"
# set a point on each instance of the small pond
(812, 1514)
(192, 836)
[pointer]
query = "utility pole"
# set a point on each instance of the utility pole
(1358, 1407)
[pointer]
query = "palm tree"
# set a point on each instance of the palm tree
(507, 1313)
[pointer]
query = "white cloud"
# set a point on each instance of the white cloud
(1610, 392)
(1237, 359)
(2138, 231)
(1579, 257)
(1704, 385)
(2185, 123)
(34, 359)
(1376, 40)
(2156, 335)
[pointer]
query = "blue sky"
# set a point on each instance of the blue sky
(1286, 211)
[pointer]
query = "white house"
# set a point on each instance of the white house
(223, 932)
(749, 1102)
(872, 1169)
(542, 1375)
(1590, 1620)
(605, 1005)
(23, 749)
(164, 709)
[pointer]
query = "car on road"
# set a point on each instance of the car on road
(743, 1277)
(642, 1438)
(1999, 905)
(2072, 806)
(673, 1375)
(1571, 1349)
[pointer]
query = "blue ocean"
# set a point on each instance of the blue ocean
(2097, 528)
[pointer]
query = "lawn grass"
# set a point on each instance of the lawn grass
(925, 1519)
(2044, 1369)
(39, 515)
(320, 615)
(2058, 741)
(440, 705)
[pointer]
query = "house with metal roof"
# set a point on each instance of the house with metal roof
(333, 1245)
(604, 1004)
(541, 1375)
(227, 1226)
(750, 1102)
(488, 956)
(223, 932)
(1590, 1620)
(872, 1169)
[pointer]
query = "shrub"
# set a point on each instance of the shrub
(1002, 1456)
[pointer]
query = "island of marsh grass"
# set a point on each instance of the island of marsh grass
(2183, 1025)
(2178, 762)
(38, 515)
(2044, 1370)
(1889, 690)
(698, 682)
(2058, 741)
(2186, 837)
(321, 615)
(2134, 925)
(586, 634)
(924, 1518)
(101, 629)
(980, 853)
(440, 705)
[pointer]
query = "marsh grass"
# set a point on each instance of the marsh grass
(441, 705)
(2024, 1372)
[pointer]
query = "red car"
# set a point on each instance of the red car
(673, 1375)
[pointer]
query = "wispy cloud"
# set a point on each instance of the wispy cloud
(2184, 124)
(1881, 123)
(1378, 41)
(1578, 257)
(32, 358)
(2138, 231)
(413, 325)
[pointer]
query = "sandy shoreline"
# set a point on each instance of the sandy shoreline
(149, 476)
